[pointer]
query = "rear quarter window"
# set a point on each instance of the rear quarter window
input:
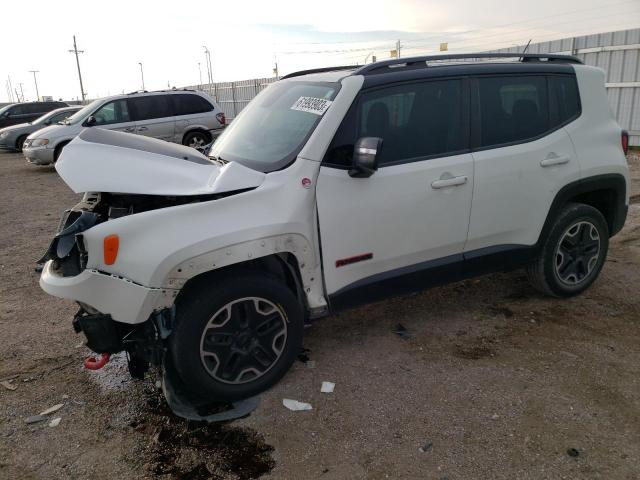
(189, 104)
(565, 99)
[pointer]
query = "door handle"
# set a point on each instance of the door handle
(554, 159)
(129, 129)
(142, 129)
(449, 182)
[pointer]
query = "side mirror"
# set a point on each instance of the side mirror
(365, 162)
(90, 122)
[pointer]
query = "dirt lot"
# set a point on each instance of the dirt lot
(493, 381)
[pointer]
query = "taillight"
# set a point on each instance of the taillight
(221, 119)
(624, 138)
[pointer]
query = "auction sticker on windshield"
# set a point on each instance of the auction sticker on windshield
(311, 105)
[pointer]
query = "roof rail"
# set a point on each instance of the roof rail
(319, 70)
(416, 61)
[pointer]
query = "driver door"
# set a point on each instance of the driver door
(393, 231)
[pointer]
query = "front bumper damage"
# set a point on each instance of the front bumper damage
(117, 314)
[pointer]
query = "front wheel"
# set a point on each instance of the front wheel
(573, 253)
(236, 338)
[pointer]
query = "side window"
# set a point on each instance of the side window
(112, 112)
(151, 106)
(565, 99)
(414, 121)
(59, 117)
(512, 109)
(19, 110)
(188, 104)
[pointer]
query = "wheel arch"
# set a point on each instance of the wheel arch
(288, 257)
(606, 193)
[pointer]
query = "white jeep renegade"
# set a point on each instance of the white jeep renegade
(332, 188)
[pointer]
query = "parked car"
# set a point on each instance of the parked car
(26, 112)
(12, 138)
(182, 116)
(329, 190)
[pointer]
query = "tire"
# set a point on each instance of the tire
(20, 142)
(197, 139)
(58, 151)
(573, 253)
(216, 347)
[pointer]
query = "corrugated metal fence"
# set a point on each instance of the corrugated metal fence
(232, 97)
(618, 54)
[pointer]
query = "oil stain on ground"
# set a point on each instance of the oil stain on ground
(184, 450)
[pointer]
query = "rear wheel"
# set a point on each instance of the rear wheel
(573, 253)
(237, 338)
(196, 140)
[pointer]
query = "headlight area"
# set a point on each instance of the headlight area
(4, 134)
(39, 142)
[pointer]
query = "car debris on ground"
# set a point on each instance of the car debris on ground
(327, 387)
(295, 405)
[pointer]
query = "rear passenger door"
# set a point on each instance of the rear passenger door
(381, 234)
(153, 115)
(522, 157)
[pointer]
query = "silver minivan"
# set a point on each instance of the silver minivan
(188, 117)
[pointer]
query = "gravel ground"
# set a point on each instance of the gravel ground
(492, 380)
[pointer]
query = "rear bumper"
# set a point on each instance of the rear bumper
(124, 300)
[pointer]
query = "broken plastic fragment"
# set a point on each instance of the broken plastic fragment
(295, 405)
(55, 408)
(35, 419)
(8, 385)
(55, 422)
(327, 387)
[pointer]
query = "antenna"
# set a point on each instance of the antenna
(526, 47)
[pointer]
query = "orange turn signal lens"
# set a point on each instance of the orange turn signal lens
(111, 244)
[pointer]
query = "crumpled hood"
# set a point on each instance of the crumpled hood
(100, 160)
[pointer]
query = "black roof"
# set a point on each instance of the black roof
(399, 69)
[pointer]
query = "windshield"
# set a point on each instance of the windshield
(270, 132)
(4, 109)
(82, 113)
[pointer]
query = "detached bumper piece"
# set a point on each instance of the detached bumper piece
(186, 405)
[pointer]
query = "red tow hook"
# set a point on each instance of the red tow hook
(92, 363)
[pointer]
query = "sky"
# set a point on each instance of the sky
(247, 37)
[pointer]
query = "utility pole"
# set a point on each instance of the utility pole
(200, 73)
(9, 88)
(35, 80)
(207, 55)
(142, 74)
(76, 51)
(398, 46)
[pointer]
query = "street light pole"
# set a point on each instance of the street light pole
(200, 72)
(35, 80)
(142, 74)
(76, 51)
(207, 56)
